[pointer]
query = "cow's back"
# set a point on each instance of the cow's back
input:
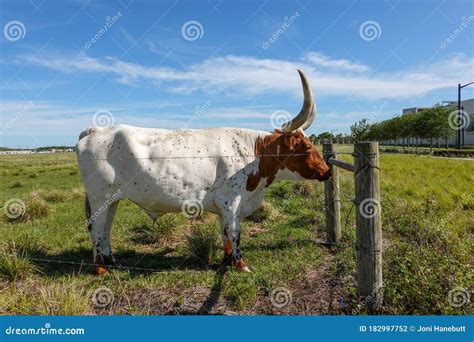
(159, 169)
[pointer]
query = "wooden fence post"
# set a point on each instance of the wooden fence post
(331, 196)
(368, 224)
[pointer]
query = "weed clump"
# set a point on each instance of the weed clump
(17, 184)
(33, 208)
(202, 244)
(261, 214)
(304, 188)
(160, 231)
(54, 196)
(15, 262)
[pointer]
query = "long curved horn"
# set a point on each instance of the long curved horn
(306, 115)
(310, 118)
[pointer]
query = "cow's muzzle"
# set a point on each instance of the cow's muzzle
(326, 176)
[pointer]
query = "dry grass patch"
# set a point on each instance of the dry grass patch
(64, 298)
(15, 262)
(35, 208)
(17, 184)
(304, 188)
(54, 196)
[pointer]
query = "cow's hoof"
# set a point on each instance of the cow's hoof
(99, 270)
(242, 266)
(245, 269)
(109, 260)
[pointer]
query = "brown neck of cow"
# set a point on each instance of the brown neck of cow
(268, 151)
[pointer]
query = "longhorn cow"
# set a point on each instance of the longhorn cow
(224, 171)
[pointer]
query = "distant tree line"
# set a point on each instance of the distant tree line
(339, 138)
(428, 127)
(432, 124)
(37, 149)
(49, 148)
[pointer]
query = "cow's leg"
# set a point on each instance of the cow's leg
(230, 225)
(97, 219)
(227, 244)
(105, 242)
(96, 236)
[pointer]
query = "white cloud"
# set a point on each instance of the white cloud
(323, 61)
(31, 117)
(243, 75)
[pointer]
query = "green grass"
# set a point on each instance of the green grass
(15, 263)
(428, 225)
(202, 243)
(160, 231)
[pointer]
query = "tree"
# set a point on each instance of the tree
(445, 130)
(359, 130)
(432, 123)
(419, 127)
(325, 136)
(470, 128)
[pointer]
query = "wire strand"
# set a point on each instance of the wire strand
(92, 264)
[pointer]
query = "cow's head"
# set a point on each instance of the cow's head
(290, 149)
(299, 155)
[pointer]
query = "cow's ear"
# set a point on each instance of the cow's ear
(290, 141)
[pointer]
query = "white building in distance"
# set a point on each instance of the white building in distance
(466, 105)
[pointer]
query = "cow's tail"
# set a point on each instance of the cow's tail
(87, 206)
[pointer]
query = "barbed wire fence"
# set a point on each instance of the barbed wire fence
(345, 198)
(368, 239)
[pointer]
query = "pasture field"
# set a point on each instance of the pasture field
(428, 227)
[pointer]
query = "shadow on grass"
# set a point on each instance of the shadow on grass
(79, 261)
(74, 262)
(215, 293)
(211, 300)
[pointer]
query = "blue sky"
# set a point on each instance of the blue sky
(195, 64)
